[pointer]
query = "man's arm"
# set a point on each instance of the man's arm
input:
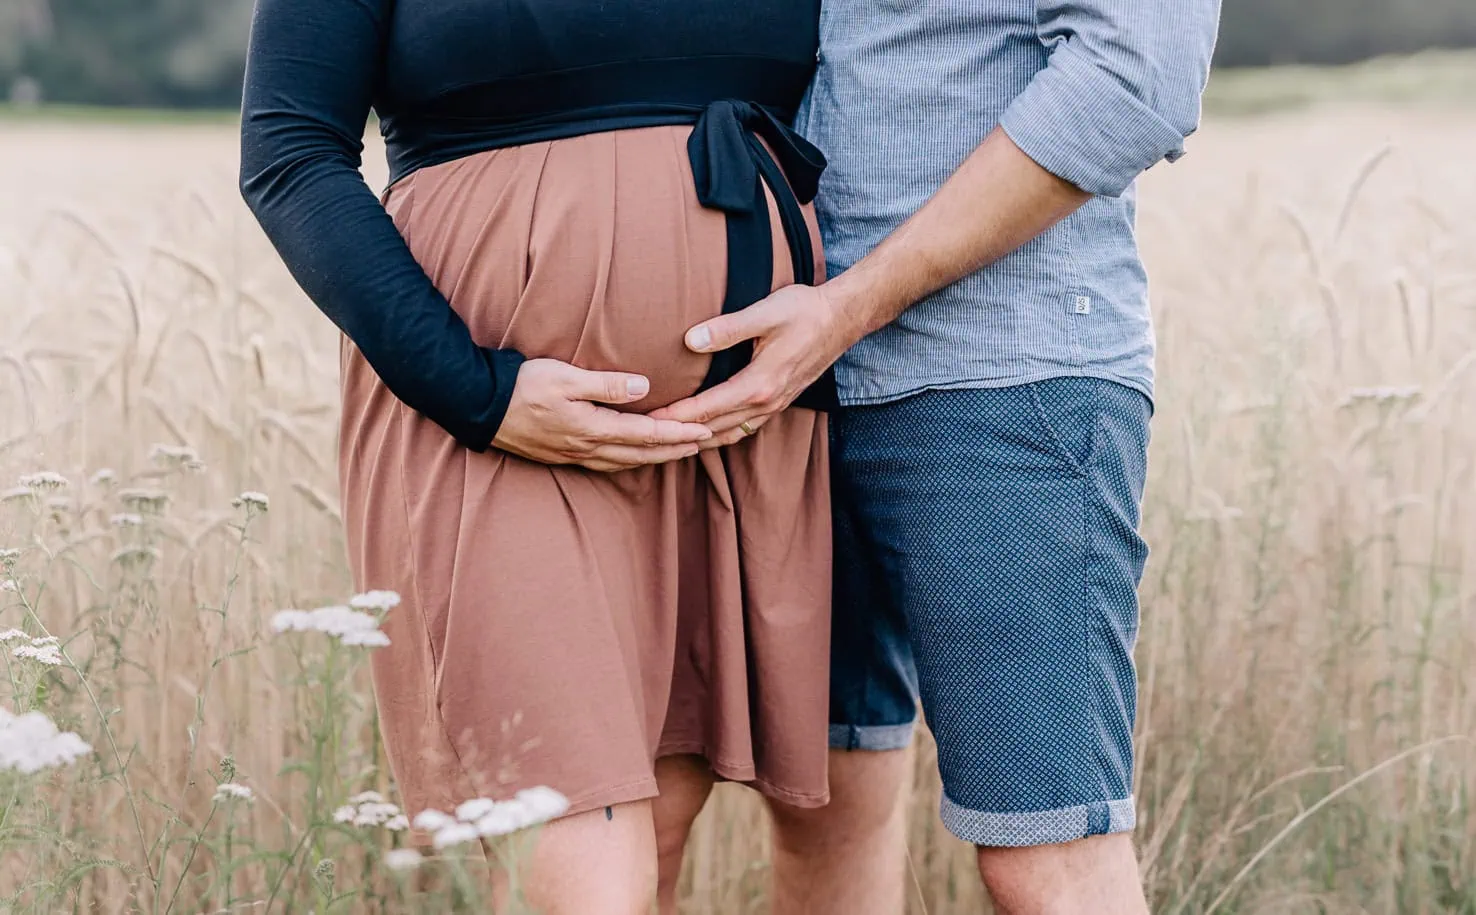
(1120, 93)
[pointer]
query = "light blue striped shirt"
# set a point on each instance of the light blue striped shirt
(1096, 91)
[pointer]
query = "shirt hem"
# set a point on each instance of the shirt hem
(969, 384)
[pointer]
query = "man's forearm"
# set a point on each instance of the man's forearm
(998, 200)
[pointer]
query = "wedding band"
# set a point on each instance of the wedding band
(747, 429)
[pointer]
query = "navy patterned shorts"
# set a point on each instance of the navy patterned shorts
(987, 561)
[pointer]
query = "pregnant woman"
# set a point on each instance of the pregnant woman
(594, 600)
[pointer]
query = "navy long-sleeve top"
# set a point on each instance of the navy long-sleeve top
(449, 78)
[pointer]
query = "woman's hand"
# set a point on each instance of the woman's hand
(555, 418)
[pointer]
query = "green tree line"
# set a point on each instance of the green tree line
(189, 53)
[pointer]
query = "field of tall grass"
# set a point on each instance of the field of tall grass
(1308, 653)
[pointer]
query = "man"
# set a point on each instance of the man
(989, 459)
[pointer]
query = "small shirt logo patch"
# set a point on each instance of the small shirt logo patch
(1082, 305)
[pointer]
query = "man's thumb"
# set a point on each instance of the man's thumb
(724, 331)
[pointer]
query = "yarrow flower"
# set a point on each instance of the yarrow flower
(126, 519)
(402, 859)
(370, 638)
(485, 818)
(104, 477)
(230, 791)
(30, 743)
(455, 834)
(45, 650)
(146, 501)
(10, 635)
(9, 585)
(45, 481)
(349, 626)
(370, 809)
(383, 601)
(255, 503)
(8, 558)
(179, 457)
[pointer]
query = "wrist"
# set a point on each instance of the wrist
(861, 302)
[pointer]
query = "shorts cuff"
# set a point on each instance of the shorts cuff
(1037, 827)
(873, 737)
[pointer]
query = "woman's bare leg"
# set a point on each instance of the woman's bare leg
(685, 783)
(590, 864)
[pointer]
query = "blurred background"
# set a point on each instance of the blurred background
(167, 53)
(1307, 717)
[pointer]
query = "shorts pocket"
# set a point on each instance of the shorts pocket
(1069, 411)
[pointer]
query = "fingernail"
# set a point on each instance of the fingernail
(637, 386)
(699, 338)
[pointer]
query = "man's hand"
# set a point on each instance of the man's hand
(554, 418)
(798, 333)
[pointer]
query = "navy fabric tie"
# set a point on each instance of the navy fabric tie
(731, 165)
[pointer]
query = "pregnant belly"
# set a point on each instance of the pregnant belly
(592, 250)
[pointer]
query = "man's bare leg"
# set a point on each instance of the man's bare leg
(849, 857)
(1098, 875)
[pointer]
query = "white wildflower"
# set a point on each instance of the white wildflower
(16, 494)
(503, 820)
(433, 820)
(230, 791)
(291, 621)
(255, 503)
(126, 519)
(382, 601)
(41, 652)
(104, 477)
(349, 626)
(8, 558)
(474, 809)
(375, 814)
(402, 859)
(179, 457)
(370, 809)
(373, 638)
(145, 501)
(45, 481)
(490, 818)
(31, 742)
(10, 635)
(45, 640)
(542, 803)
(59, 504)
(10, 586)
(529, 807)
(455, 834)
(339, 620)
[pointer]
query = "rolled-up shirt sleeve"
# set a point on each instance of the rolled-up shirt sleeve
(1121, 91)
(310, 76)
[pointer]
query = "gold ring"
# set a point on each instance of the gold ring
(747, 429)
